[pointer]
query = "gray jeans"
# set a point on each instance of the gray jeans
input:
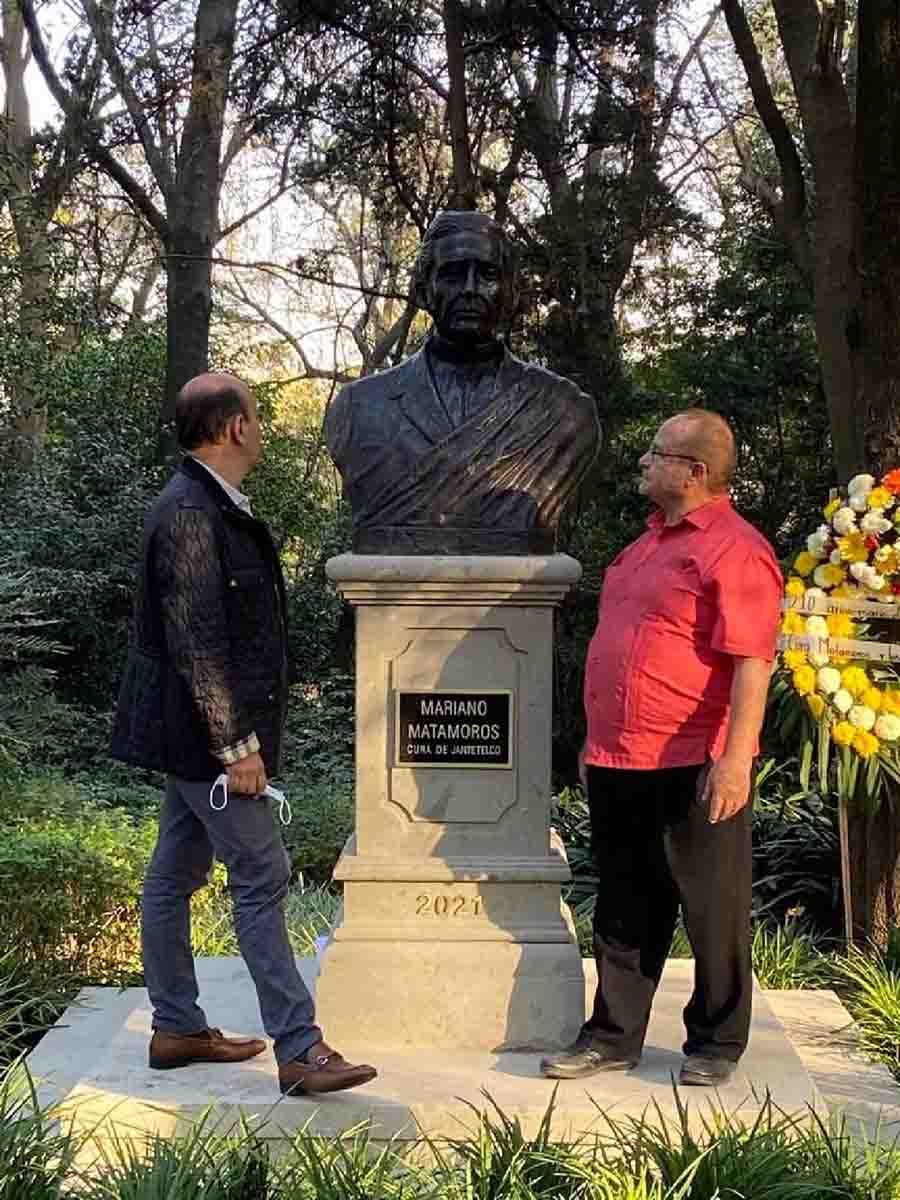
(245, 838)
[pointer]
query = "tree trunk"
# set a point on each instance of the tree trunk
(878, 240)
(870, 855)
(457, 107)
(29, 421)
(872, 843)
(829, 133)
(193, 206)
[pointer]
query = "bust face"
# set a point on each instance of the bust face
(465, 289)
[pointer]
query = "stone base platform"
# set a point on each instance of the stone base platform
(95, 1061)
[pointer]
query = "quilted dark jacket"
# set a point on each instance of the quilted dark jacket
(207, 667)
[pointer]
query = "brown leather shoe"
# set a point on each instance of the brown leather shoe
(321, 1069)
(171, 1050)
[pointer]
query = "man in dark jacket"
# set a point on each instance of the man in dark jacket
(204, 697)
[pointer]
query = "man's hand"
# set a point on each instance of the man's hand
(247, 777)
(727, 787)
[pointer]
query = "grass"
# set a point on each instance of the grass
(310, 912)
(35, 1157)
(869, 984)
(29, 1003)
(720, 1157)
(788, 956)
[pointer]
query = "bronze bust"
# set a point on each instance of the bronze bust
(462, 448)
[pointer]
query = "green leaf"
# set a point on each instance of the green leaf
(806, 755)
(824, 747)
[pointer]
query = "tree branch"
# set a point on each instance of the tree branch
(312, 372)
(137, 110)
(100, 154)
(793, 185)
(668, 110)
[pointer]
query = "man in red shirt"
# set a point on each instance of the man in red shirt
(675, 691)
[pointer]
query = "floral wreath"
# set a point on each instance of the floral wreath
(848, 574)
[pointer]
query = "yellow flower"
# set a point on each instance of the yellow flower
(865, 744)
(794, 588)
(793, 623)
(805, 563)
(855, 680)
(880, 497)
(853, 548)
(890, 702)
(831, 575)
(831, 508)
(886, 560)
(804, 680)
(816, 706)
(871, 697)
(843, 733)
(839, 625)
(794, 659)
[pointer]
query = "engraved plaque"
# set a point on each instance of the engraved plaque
(451, 728)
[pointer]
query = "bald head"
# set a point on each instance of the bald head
(206, 404)
(707, 437)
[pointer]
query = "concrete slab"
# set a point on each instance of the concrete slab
(435, 1093)
(863, 1092)
(70, 1049)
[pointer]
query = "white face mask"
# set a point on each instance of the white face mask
(284, 809)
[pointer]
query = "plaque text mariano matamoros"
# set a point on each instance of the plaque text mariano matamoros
(454, 729)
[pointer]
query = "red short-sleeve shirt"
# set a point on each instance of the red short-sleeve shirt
(677, 607)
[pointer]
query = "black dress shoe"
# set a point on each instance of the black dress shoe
(698, 1070)
(584, 1058)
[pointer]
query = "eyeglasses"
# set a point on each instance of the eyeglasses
(654, 453)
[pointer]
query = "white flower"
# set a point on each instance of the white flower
(861, 483)
(817, 658)
(820, 576)
(816, 542)
(874, 522)
(861, 716)
(859, 502)
(815, 593)
(828, 680)
(887, 727)
(817, 626)
(835, 557)
(867, 575)
(844, 520)
(842, 701)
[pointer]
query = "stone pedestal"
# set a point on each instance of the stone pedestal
(453, 933)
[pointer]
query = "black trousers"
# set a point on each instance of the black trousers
(655, 849)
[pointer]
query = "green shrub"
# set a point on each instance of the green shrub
(70, 875)
(317, 774)
(322, 820)
(796, 854)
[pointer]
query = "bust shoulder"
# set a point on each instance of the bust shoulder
(383, 383)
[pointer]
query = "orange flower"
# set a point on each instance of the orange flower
(892, 481)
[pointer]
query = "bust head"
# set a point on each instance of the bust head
(464, 275)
